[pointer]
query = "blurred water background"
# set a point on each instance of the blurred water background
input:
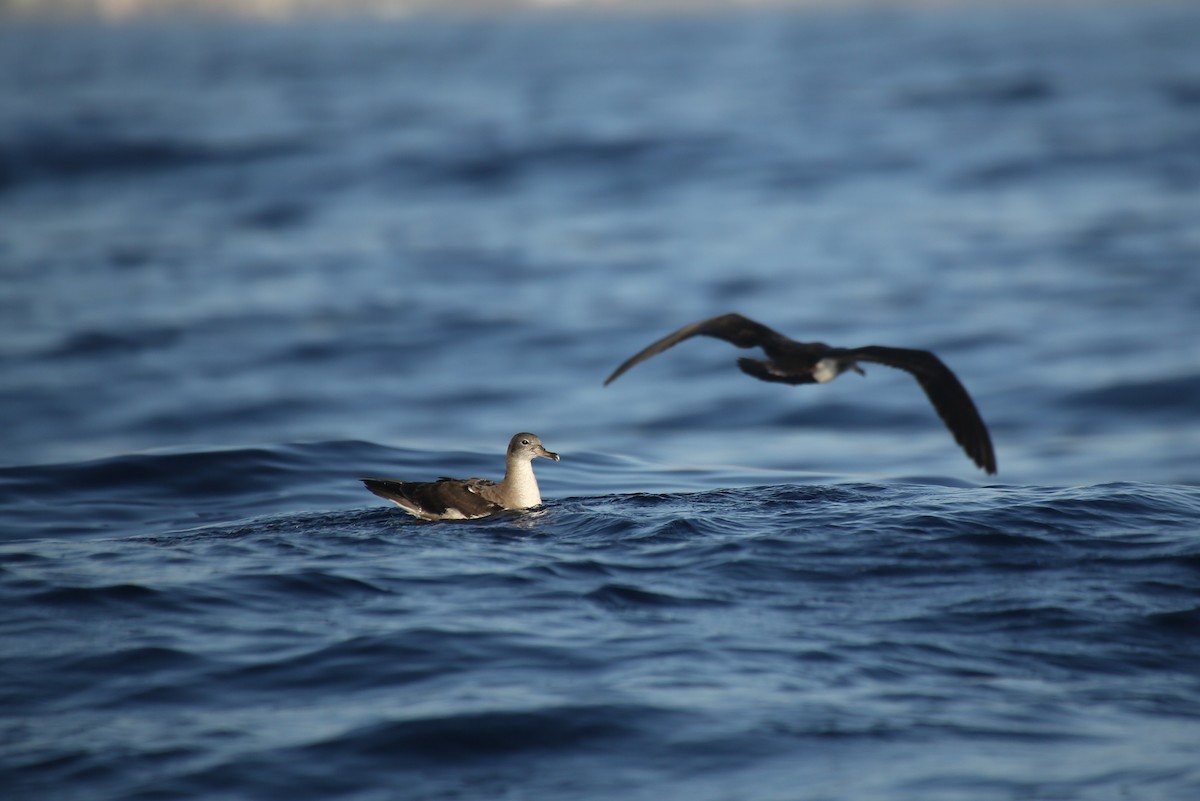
(243, 263)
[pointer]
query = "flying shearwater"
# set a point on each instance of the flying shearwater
(463, 499)
(791, 362)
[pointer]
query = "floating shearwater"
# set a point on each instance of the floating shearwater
(461, 499)
(791, 362)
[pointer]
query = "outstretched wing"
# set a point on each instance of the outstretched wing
(947, 394)
(733, 328)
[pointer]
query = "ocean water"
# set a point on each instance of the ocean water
(244, 264)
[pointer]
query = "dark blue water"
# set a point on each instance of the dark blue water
(244, 264)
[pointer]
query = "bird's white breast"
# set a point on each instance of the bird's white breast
(826, 370)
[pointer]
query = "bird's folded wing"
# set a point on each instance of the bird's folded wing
(437, 497)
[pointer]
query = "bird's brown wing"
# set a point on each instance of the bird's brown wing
(436, 498)
(733, 328)
(947, 394)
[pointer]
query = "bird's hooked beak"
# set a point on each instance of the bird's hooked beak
(540, 451)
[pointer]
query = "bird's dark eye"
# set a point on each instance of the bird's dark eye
(524, 442)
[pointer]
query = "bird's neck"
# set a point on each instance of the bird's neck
(520, 484)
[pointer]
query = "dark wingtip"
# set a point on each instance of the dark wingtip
(379, 486)
(630, 362)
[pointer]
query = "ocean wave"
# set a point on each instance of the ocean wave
(70, 155)
(1002, 91)
(498, 165)
(489, 735)
(701, 629)
(1174, 395)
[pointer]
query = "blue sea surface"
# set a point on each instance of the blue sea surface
(243, 264)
